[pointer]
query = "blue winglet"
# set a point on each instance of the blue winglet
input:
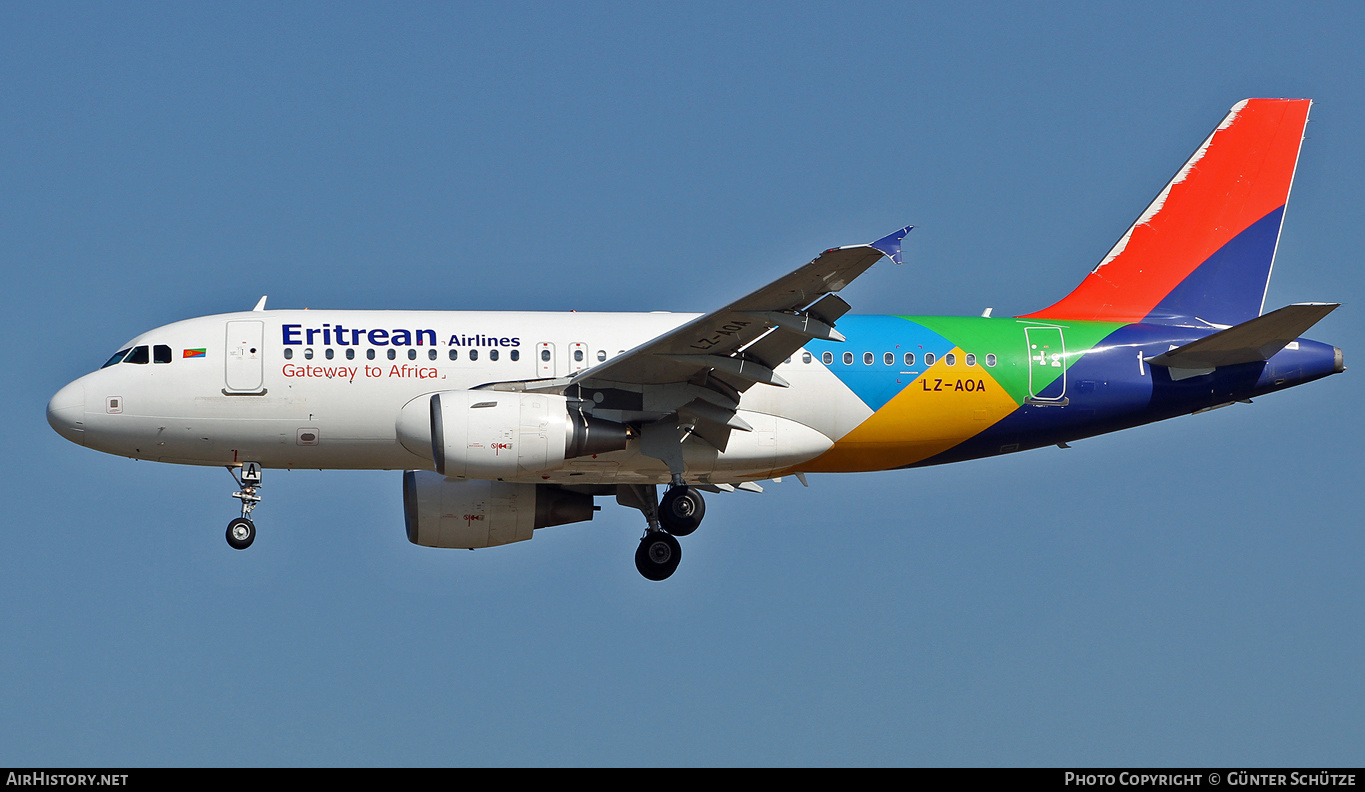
(890, 245)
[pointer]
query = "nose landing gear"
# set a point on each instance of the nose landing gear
(241, 532)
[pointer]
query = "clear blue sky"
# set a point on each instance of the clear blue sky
(1188, 593)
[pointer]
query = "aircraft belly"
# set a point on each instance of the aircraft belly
(274, 443)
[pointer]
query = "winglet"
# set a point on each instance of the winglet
(890, 245)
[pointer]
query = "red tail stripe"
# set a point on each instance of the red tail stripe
(1244, 173)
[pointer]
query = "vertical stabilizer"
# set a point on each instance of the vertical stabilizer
(1204, 249)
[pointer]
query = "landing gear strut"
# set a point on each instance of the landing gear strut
(241, 532)
(678, 514)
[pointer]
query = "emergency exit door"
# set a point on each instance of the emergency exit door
(545, 359)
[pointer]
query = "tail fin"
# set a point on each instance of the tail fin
(1203, 250)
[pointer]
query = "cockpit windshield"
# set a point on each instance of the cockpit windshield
(160, 353)
(118, 356)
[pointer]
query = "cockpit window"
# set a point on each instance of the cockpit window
(161, 354)
(138, 355)
(118, 356)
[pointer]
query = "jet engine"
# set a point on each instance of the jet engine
(503, 435)
(470, 513)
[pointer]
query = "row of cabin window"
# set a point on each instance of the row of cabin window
(163, 355)
(160, 353)
(889, 358)
(432, 354)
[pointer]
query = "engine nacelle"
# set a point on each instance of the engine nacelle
(503, 434)
(469, 513)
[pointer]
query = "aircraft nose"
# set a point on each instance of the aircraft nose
(66, 412)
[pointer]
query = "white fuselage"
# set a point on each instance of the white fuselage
(325, 389)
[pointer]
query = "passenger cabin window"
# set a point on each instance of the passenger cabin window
(515, 354)
(889, 359)
(350, 353)
(431, 354)
(602, 355)
(369, 354)
(137, 355)
(909, 358)
(118, 356)
(950, 359)
(971, 359)
(928, 358)
(393, 354)
(328, 353)
(848, 358)
(288, 353)
(867, 358)
(827, 358)
(492, 354)
(473, 354)
(990, 360)
(454, 354)
(308, 353)
(805, 357)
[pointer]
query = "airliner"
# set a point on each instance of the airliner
(507, 422)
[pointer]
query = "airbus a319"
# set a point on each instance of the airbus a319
(506, 422)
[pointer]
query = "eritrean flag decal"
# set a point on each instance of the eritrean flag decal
(189, 353)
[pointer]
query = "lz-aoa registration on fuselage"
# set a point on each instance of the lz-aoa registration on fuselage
(507, 422)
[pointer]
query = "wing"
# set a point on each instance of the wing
(698, 371)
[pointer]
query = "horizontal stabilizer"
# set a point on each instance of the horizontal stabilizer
(1249, 342)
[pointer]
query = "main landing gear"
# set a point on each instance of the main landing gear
(658, 555)
(241, 532)
(681, 510)
(677, 514)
